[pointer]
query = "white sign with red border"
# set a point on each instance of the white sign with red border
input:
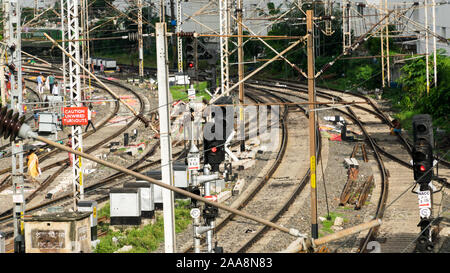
(211, 197)
(424, 199)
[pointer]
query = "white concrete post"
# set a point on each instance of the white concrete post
(165, 139)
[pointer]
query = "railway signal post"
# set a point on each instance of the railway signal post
(423, 174)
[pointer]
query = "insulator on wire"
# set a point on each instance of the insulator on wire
(10, 123)
(12, 67)
(185, 34)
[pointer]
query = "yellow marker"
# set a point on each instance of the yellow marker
(94, 212)
(313, 172)
(81, 172)
(21, 222)
(313, 180)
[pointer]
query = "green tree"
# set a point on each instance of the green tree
(415, 96)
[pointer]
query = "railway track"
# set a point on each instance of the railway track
(396, 149)
(5, 216)
(258, 192)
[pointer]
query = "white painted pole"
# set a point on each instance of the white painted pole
(165, 139)
(434, 43)
(426, 47)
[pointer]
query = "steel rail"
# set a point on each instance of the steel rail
(304, 181)
(383, 172)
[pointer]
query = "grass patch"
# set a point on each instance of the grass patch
(145, 239)
(179, 92)
(327, 224)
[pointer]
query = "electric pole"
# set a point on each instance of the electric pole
(165, 139)
(140, 42)
(387, 45)
(426, 48)
(2, 76)
(63, 44)
(312, 121)
(223, 40)
(382, 46)
(17, 175)
(75, 97)
(241, 72)
(434, 43)
(179, 40)
(346, 23)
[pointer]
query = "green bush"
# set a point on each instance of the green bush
(144, 239)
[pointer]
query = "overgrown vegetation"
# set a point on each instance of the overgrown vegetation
(145, 239)
(179, 92)
(327, 224)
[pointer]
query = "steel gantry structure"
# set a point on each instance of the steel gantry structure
(179, 40)
(75, 97)
(15, 64)
(224, 31)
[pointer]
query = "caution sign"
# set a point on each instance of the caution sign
(75, 116)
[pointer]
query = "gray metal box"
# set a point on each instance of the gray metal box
(125, 202)
(89, 206)
(146, 194)
(109, 63)
(2, 242)
(180, 173)
(47, 122)
(157, 190)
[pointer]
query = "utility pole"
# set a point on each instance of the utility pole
(382, 46)
(5, 9)
(426, 48)
(2, 76)
(223, 40)
(63, 44)
(312, 121)
(140, 42)
(172, 39)
(241, 72)
(387, 45)
(346, 23)
(179, 40)
(15, 61)
(434, 44)
(165, 139)
(75, 98)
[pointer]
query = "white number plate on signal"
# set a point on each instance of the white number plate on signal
(193, 163)
(424, 199)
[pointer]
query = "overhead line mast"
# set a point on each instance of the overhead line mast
(75, 98)
(15, 65)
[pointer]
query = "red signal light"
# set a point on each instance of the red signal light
(214, 149)
(422, 168)
(191, 65)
